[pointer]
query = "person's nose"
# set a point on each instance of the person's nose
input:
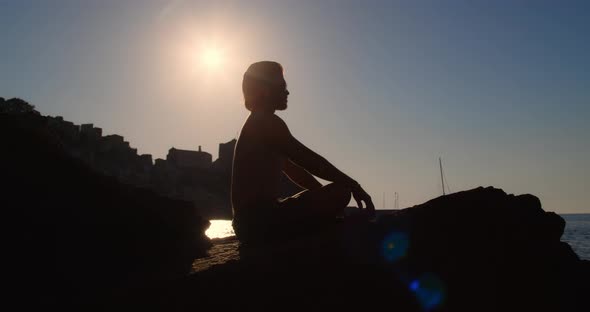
(287, 92)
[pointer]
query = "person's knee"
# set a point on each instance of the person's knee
(340, 193)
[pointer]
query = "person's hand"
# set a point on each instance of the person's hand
(360, 196)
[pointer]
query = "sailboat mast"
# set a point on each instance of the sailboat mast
(441, 175)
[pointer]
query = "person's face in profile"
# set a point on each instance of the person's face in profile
(278, 93)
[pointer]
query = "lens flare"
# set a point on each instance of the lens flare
(414, 285)
(395, 246)
(429, 290)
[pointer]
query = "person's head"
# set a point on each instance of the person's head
(264, 87)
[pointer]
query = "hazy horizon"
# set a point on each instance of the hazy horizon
(382, 89)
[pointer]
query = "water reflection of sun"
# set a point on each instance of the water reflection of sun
(220, 229)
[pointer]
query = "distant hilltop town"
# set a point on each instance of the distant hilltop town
(190, 175)
(184, 174)
(114, 156)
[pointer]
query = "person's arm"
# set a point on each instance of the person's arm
(280, 137)
(300, 176)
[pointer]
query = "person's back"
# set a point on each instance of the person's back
(266, 149)
(257, 169)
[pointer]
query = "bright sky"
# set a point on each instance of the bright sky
(500, 90)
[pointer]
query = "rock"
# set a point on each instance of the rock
(477, 250)
(76, 236)
(487, 246)
(78, 239)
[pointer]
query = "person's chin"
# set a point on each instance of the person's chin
(282, 106)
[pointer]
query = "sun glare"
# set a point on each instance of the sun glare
(212, 58)
(220, 229)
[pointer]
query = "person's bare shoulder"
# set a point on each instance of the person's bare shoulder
(274, 128)
(272, 124)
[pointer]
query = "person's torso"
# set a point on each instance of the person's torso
(257, 168)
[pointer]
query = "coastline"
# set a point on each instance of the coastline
(579, 239)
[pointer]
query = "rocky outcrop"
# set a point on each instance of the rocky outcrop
(477, 250)
(82, 240)
(487, 250)
(74, 236)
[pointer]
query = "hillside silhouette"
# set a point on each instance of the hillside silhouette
(189, 175)
(76, 235)
(81, 240)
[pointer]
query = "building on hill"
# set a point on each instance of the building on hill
(223, 164)
(186, 159)
(90, 132)
(226, 150)
(67, 131)
(112, 142)
(184, 174)
(146, 160)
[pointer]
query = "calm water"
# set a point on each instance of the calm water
(577, 232)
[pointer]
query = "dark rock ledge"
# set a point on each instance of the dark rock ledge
(477, 250)
(76, 240)
(74, 237)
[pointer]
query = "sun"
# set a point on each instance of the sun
(212, 57)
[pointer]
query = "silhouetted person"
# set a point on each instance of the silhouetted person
(266, 149)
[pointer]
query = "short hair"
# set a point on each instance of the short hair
(260, 74)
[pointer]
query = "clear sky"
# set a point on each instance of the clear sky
(499, 89)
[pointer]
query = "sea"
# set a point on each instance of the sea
(577, 232)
